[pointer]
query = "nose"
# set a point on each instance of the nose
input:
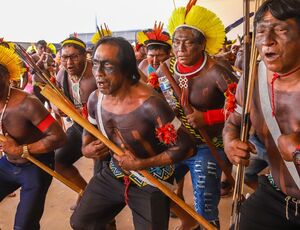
(269, 38)
(98, 70)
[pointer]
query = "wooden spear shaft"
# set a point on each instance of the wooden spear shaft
(188, 110)
(249, 79)
(48, 170)
(55, 99)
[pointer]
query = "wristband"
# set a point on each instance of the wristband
(214, 116)
(25, 151)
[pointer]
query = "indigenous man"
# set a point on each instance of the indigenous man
(204, 82)
(29, 129)
(134, 117)
(158, 45)
(275, 203)
(77, 81)
(44, 60)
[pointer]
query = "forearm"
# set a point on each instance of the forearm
(159, 160)
(52, 140)
(231, 130)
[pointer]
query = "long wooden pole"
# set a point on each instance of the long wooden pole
(44, 167)
(249, 74)
(203, 133)
(56, 100)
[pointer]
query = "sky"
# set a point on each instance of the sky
(53, 21)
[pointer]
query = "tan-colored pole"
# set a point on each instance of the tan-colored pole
(55, 99)
(59, 177)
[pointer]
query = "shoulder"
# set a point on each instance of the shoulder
(155, 104)
(93, 98)
(220, 71)
(143, 65)
(25, 103)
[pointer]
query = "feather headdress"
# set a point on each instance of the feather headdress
(103, 31)
(52, 48)
(11, 61)
(154, 36)
(201, 19)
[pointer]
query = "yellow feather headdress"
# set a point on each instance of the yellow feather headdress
(154, 36)
(201, 19)
(52, 48)
(11, 61)
(103, 31)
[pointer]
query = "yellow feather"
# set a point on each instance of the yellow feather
(105, 32)
(204, 20)
(141, 37)
(52, 48)
(177, 18)
(11, 61)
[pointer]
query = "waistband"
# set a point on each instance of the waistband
(288, 199)
(163, 173)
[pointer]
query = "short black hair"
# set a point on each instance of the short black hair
(82, 49)
(165, 48)
(198, 36)
(126, 56)
(280, 9)
(42, 43)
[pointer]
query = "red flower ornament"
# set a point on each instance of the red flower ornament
(230, 103)
(166, 134)
(153, 80)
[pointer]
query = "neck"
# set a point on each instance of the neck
(191, 71)
(191, 68)
(76, 78)
(120, 95)
(291, 73)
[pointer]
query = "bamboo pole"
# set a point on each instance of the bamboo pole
(55, 99)
(188, 110)
(44, 167)
(249, 80)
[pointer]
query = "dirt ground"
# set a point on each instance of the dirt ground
(60, 198)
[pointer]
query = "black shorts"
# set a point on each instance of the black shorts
(265, 209)
(103, 199)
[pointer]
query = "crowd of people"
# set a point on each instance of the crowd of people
(173, 103)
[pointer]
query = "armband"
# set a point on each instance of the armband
(214, 116)
(45, 123)
(167, 133)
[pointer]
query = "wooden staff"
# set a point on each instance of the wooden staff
(188, 110)
(249, 80)
(48, 170)
(56, 100)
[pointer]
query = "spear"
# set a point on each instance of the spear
(48, 170)
(55, 99)
(250, 69)
(45, 77)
